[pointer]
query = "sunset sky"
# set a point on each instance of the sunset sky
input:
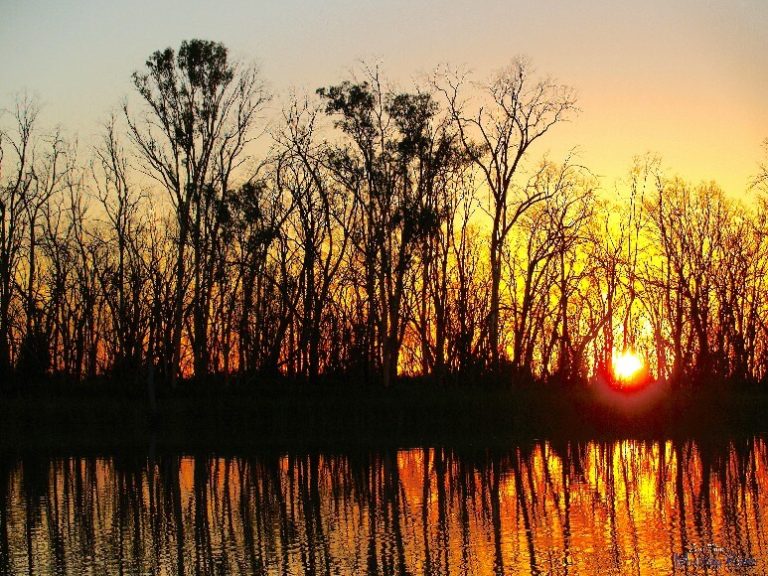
(687, 79)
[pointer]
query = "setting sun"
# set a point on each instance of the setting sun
(626, 366)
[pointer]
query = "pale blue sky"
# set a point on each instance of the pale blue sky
(685, 78)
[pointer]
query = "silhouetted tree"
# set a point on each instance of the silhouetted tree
(388, 164)
(30, 174)
(515, 112)
(201, 114)
(121, 277)
(382, 232)
(319, 224)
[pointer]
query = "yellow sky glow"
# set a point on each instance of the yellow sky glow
(680, 78)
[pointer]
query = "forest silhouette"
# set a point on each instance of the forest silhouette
(362, 234)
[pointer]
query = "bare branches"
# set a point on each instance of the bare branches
(761, 179)
(513, 111)
(384, 232)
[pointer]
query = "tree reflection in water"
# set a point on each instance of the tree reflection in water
(629, 507)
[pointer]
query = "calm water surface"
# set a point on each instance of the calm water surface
(626, 507)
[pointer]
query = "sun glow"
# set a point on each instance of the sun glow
(627, 366)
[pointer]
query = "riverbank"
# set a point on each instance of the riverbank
(345, 416)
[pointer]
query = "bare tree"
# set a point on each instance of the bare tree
(319, 224)
(515, 111)
(120, 274)
(201, 115)
(761, 179)
(389, 165)
(39, 165)
(17, 149)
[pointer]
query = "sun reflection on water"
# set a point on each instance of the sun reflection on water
(625, 507)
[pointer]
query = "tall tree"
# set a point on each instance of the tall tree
(202, 111)
(33, 171)
(389, 161)
(319, 224)
(17, 148)
(121, 276)
(514, 112)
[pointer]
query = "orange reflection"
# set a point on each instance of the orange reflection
(625, 507)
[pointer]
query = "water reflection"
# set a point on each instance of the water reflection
(626, 507)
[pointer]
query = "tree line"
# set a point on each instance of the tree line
(364, 231)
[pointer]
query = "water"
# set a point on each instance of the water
(624, 507)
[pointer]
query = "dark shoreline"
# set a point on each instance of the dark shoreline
(335, 416)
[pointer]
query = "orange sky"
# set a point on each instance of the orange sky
(684, 78)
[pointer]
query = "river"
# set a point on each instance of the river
(576, 508)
